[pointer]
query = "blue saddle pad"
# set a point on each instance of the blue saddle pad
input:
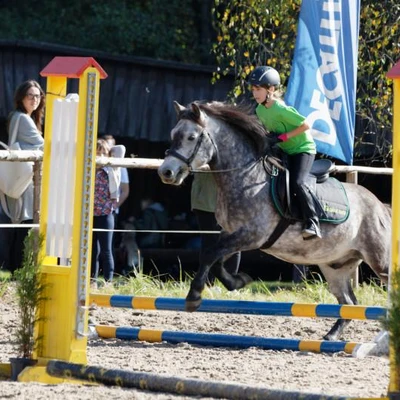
(330, 199)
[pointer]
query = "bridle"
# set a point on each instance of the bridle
(188, 160)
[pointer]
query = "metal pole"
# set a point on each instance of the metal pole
(37, 183)
(352, 177)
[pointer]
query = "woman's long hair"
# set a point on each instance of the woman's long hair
(19, 96)
(103, 147)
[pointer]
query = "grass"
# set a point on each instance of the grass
(30, 292)
(315, 291)
(312, 291)
(392, 324)
(5, 277)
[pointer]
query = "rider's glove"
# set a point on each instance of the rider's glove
(283, 138)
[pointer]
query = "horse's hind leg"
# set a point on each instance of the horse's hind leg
(230, 264)
(230, 277)
(338, 278)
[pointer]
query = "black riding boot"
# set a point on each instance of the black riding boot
(299, 167)
(311, 228)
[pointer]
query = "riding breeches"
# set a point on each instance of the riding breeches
(299, 168)
(102, 246)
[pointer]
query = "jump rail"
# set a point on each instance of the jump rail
(242, 307)
(222, 340)
(173, 384)
(154, 163)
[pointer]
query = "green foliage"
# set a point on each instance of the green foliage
(30, 293)
(379, 50)
(143, 28)
(5, 277)
(392, 324)
(263, 32)
(252, 33)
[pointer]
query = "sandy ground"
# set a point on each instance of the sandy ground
(330, 374)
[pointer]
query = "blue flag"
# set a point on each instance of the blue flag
(322, 84)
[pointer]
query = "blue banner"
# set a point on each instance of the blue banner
(322, 84)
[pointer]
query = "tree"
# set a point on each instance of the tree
(379, 50)
(259, 32)
(165, 30)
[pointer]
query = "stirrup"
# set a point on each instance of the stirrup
(311, 231)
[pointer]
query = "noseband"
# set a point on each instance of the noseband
(188, 160)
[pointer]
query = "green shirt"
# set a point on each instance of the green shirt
(280, 118)
(204, 192)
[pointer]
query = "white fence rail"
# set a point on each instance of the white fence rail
(154, 163)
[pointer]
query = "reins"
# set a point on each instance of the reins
(249, 166)
(271, 165)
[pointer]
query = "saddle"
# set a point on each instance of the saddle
(329, 195)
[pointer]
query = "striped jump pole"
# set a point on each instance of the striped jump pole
(172, 384)
(222, 340)
(243, 307)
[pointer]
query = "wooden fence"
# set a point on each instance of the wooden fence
(136, 100)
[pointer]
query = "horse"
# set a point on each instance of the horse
(231, 141)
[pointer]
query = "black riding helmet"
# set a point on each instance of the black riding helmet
(264, 76)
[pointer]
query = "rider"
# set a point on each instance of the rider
(293, 137)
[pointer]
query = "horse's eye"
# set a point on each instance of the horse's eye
(192, 137)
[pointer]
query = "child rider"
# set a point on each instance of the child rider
(294, 139)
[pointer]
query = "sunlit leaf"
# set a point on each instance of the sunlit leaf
(265, 33)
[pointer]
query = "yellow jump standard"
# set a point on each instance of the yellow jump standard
(61, 330)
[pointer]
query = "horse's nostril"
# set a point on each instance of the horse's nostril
(167, 173)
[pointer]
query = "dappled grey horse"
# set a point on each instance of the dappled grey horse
(233, 143)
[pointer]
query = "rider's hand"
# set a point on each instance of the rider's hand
(273, 138)
(283, 138)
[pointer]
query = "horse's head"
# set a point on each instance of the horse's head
(191, 148)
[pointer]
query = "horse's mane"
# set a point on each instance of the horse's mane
(239, 117)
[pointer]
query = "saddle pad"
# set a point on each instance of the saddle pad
(332, 197)
(330, 200)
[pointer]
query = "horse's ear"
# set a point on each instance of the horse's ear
(196, 110)
(178, 108)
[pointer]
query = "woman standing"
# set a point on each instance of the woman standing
(26, 120)
(107, 182)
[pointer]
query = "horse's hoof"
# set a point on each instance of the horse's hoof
(192, 305)
(330, 338)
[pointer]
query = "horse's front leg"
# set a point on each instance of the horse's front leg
(227, 245)
(193, 298)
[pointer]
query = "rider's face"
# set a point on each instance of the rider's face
(259, 94)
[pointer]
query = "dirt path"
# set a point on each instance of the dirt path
(337, 374)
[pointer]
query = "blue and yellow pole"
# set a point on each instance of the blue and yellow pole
(242, 307)
(222, 340)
